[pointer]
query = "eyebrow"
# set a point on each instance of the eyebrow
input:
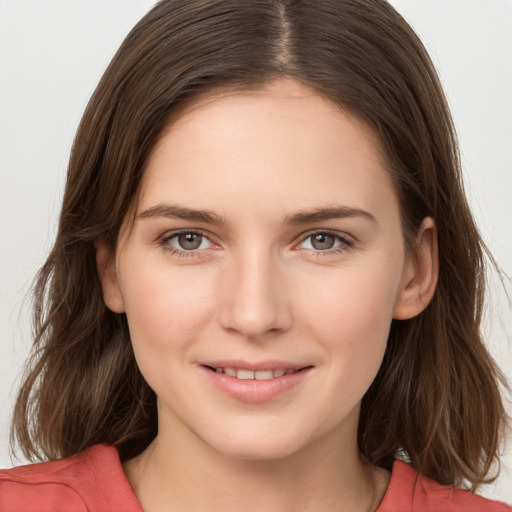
(179, 212)
(320, 214)
(298, 218)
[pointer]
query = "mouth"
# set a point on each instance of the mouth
(247, 374)
(256, 381)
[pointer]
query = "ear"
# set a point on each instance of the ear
(420, 275)
(105, 262)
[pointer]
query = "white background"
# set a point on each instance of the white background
(53, 53)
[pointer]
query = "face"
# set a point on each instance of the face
(263, 270)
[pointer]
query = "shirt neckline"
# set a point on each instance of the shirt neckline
(115, 480)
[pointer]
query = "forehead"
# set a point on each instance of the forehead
(281, 144)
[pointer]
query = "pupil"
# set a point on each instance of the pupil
(323, 241)
(189, 241)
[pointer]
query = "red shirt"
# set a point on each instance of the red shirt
(94, 481)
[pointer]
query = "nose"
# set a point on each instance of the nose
(254, 299)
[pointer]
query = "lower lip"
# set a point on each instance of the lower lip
(252, 390)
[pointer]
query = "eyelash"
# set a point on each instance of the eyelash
(181, 253)
(345, 244)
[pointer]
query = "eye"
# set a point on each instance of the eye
(325, 241)
(186, 241)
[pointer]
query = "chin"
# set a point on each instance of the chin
(256, 445)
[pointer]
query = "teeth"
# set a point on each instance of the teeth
(264, 375)
(243, 374)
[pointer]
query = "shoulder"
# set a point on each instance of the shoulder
(89, 481)
(409, 491)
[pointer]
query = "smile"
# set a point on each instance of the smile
(244, 374)
(264, 381)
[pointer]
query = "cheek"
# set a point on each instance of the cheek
(166, 307)
(354, 299)
(351, 318)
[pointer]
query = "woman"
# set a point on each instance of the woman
(266, 276)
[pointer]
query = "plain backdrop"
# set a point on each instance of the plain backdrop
(53, 53)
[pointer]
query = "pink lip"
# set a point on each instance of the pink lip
(270, 364)
(252, 390)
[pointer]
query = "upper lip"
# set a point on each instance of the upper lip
(254, 365)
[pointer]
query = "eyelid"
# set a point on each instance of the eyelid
(163, 241)
(347, 241)
(174, 232)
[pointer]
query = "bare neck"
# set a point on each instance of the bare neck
(189, 475)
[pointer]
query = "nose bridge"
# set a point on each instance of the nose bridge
(254, 301)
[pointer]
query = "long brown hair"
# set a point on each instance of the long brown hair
(436, 397)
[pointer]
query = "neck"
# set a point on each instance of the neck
(190, 475)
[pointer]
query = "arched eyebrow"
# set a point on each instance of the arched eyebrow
(320, 214)
(180, 212)
(297, 218)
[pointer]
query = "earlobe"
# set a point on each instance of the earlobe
(420, 274)
(105, 262)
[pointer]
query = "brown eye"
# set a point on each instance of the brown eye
(322, 241)
(189, 241)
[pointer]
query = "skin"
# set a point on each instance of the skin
(256, 289)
